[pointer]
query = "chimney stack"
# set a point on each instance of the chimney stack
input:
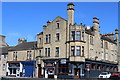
(117, 35)
(96, 24)
(21, 41)
(48, 22)
(70, 13)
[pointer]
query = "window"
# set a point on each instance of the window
(78, 49)
(115, 57)
(45, 51)
(102, 55)
(29, 55)
(91, 40)
(58, 25)
(48, 51)
(63, 69)
(78, 35)
(46, 38)
(82, 50)
(57, 37)
(57, 51)
(101, 43)
(4, 57)
(14, 55)
(72, 50)
(73, 35)
(91, 53)
(49, 38)
(106, 56)
(106, 45)
(40, 39)
(39, 52)
(4, 67)
(82, 36)
(0, 57)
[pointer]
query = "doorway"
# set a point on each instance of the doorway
(77, 72)
(39, 70)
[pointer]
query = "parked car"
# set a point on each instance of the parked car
(115, 75)
(105, 75)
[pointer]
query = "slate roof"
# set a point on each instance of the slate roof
(108, 39)
(89, 31)
(24, 46)
(4, 50)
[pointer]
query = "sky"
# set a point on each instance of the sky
(25, 19)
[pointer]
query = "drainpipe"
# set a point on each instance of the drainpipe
(34, 72)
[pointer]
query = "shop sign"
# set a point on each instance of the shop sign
(63, 61)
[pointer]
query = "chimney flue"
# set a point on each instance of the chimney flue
(21, 41)
(70, 13)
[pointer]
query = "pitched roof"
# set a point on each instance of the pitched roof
(89, 31)
(4, 50)
(24, 46)
(107, 39)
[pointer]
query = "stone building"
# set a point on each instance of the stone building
(3, 55)
(21, 59)
(76, 51)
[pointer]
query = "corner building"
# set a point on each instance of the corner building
(76, 51)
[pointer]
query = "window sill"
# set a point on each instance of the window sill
(75, 41)
(57, 41)
(91, 44)
(56, 56)
(48, 43)
(77, 56)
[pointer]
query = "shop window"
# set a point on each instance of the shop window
(63, 69)
(98, 67)
(93, 66)
(107, 68)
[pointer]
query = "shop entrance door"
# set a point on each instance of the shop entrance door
(77, 72)
(39, 70)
